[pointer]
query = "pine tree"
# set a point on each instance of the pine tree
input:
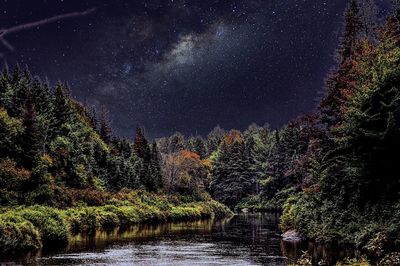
(42, 97)
(372, 127)
(231, 178)
(340, 84)
(30, 138)
(154, 182)
(63, 112)
(197, 145)
(396, 8)
(353, 27)
(176, 143)
(44, 107)
(20, 83)
(92, 115)
(214, 138)
(369, 16)
(4, 87)
(105, 126)
(140, 145)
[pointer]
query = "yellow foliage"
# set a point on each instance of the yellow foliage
(12, 126)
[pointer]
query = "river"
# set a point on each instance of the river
(245, 239)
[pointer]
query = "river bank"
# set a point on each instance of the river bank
(34, 227)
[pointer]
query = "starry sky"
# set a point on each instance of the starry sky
(182, 65)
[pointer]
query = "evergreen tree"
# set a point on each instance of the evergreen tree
(369, 17)
(197, 145)
(30, 138)
(44, 107)
(154, 182)
(124, 148)
(6, 91)
(353, 27)
(42, 97)
(214, 138)
(176, 143)
(141, 146)
(105, 125)
(340, 84)
(396, 8)
(19, 85)
(372, 125)
(63, 111)
(92, 115)
(231, 179)
(258, 148)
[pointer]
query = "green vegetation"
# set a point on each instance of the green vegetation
(388, 260)
(333, 173)
(27, 228)
(62, 170)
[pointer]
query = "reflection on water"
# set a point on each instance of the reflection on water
(246, 239)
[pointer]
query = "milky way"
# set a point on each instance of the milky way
(184, 65)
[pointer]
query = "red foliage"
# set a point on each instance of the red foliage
(89, 196)
(190, 155)
(232, 136)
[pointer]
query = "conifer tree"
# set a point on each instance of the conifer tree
(63, 111)
(42, 97)
(30, 138)
(105, 125)
(231, 178)
(92, 115)
(372, 126)
(154, 181)
(396, 8)
(141, 146)
(176, 143)
(214, 138)
(340, 84)
(353, 27)
(20, 83)
(5, 89)
(44, 107)
(197, 145)
(370, 21)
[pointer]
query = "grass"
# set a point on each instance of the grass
(30, 228)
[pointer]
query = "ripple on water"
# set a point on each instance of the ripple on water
(161, 253)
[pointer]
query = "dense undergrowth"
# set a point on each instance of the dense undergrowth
(32, 227)
(388, 260)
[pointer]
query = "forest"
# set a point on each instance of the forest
(333, 173)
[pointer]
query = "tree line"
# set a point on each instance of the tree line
(50, 143)
(333, 172)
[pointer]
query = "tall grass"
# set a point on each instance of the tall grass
(29, 228)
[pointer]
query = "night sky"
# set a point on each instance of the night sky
(181, 65)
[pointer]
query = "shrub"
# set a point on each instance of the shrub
(31, 227)
(17, 234)
(81, 219)
(106, 217)
(49, 222)
(128, 216)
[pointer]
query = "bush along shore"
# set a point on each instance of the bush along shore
(33, 227)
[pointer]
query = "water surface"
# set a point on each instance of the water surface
(245, 239)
